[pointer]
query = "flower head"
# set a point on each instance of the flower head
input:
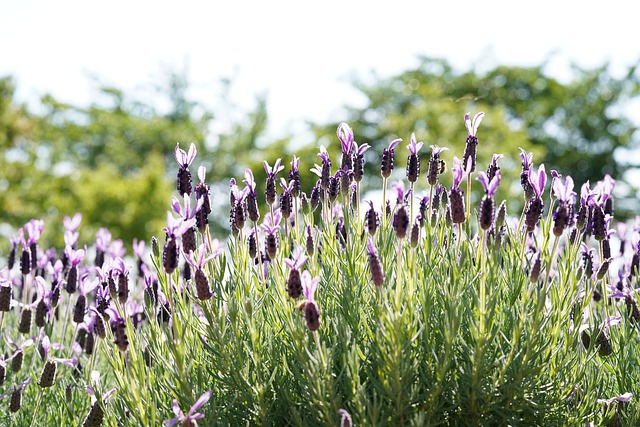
(34, 230)
(458, 172)
(414, 146)
(538, 180)
(527, 160)
(472, 125)
(297, 259)
(345, 135)
(187, 420)
(185, 159)
(203, 257)
(490, 185)
(272, 171)
(72, 224)
(271, 223)
(176, 227)
(564, 192)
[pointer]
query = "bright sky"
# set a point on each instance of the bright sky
(301, 53)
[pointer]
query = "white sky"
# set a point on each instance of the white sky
(300, 52)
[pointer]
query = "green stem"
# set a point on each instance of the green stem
(35, 409)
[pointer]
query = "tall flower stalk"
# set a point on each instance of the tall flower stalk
(470, 151)
(386, 168)
(436, 166)
(413, 169)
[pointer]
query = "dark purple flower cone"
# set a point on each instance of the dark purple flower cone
(48, 375)
(312, 315)
(184, 181)
(203, 290)
(294, 284)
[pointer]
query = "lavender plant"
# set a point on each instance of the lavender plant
(353, 321)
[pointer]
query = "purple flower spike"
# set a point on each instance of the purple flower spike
(192, 415)
(436, 150)
(345, 135)
(490, 186)
(272, 171)
(538, 180)
(185, 159)
(414, 146)
(472, 125)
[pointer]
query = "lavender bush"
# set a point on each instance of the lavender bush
(429, 309)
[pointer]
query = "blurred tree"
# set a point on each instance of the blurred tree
(579, 128)
(111, 161)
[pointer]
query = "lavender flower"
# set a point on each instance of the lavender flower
(563, 216)
(251, 196)
(294, 176)
(358, 161)
(345, 135)
(34, 229)
(271, 226)
(487, 210)
(16, 396)
(311, 309)
(270, 190)
(535, 206)
(184, 161)
(174, 229)
(294, 282)
(18, 352)
(524, 175)
(96, 413)
(436, 164)
(203, 290)
(103, 240)
(188, 420)
(6, 291)
(377, 275)
(118, 328)
(371, 219)
(493, 166)
(456, 199)
(472, 140)
(345, 418)
(202, 193)
(286, 198)
(74, 257)
(388, 155)
(48, 375)
(324, 171)
(413, 161)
